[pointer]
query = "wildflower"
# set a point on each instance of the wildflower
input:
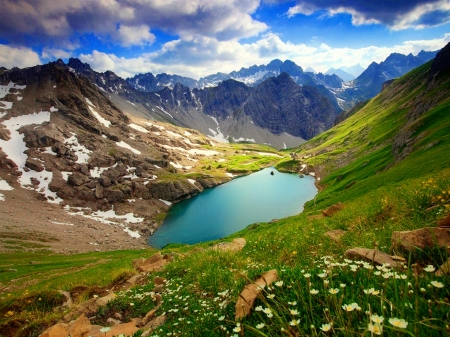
(314, 291)
(371, 291)
(430, 268)
(292, 303)
(422, 290)
(105, 329)
(322, 275)
(377, 319)
(271, 296)
(267, 311)
(237, 328)
(333, 291)
(325, 327)
(259, 308)
(351, 307)
(326, 281)
(307, 275)
(399, 323)
(279, 283)
(293, 312)
(221, 318)
(132, 304)
(376, 328)
(437, 284)
(294, 322)
(260, 326)
(342, 285)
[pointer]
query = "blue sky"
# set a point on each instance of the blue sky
(196, 38)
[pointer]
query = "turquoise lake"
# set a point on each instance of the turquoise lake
(228, 208)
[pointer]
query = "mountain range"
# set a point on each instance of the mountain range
(277, 104)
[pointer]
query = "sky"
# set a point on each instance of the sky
(196, 38)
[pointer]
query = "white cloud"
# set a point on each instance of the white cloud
(135, 35)
(127, 22)
(397, 15)
(202, 56)
(17, 57)
(54, 53)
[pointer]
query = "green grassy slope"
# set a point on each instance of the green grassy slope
(319, 292)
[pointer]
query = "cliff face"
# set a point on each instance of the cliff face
(280, 105)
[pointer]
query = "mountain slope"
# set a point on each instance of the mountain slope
(402, 132)
(369, 83)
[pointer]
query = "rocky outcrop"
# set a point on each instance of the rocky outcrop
(173, 191)
(422, 238)
(280, 105)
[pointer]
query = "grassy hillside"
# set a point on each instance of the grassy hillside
(318, 292)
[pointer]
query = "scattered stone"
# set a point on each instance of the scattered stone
(112, 321)
(155, 323)
(148, 317)
(88, 307)
(126, 329)
(421, 238)
(251, 291)
(444, 269)
(159, 281)
(335, 234)
(133, 280)
(118, 316)
(333, 209)
(234, 246)
(398, 258)
(445, 222)
(370, 255)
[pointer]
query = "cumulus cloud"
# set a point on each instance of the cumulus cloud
(17, 57)
(188, 57)
(396, 15)
(127, 22)
(55, 53)
(135, 35)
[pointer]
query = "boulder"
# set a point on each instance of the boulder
(80, 326)
(335, 234)
(371, 255)
(99, 191)
(113, 194)
(46, 135)
(333, 209)
(77, 179)
(34, 165)
(422, 238)
(251, 291)
(104, 181)
(57, 330)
